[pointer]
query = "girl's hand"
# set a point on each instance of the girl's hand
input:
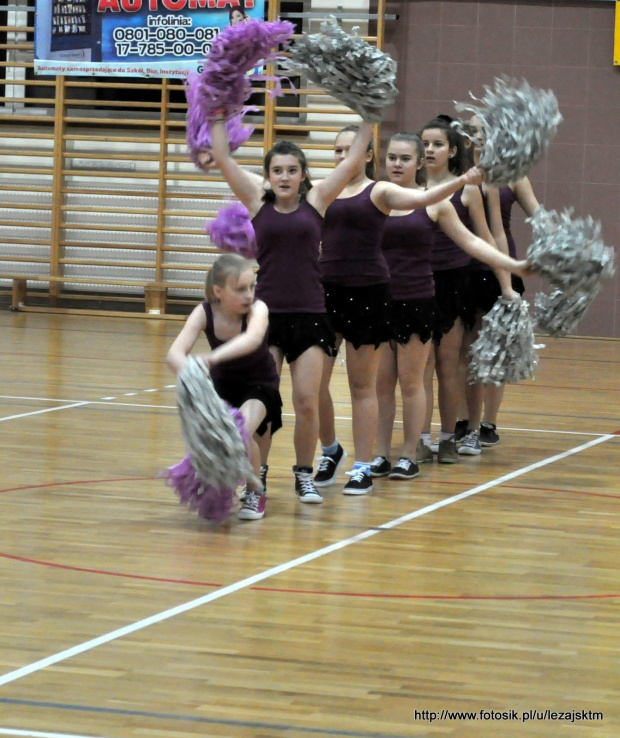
(525, 269)
(510, 295)
(206, 160)
(474, 176)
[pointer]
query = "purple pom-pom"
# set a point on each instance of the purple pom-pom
(199, 132)
(232, 231)
(197, 494)
(223, 83)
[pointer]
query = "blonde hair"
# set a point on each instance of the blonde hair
(225, 266)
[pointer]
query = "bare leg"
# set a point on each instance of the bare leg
(473, 392)
(386, 397)
(327, 425)
(362, 365)
(264, 441)
(429, 373)
(412, 360)
(254, 413)
(492, 400)
(447, 360)
(306, 379)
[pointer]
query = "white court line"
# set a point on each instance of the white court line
(288, 415)
(13, 676)
(47, 410)
(38, 734)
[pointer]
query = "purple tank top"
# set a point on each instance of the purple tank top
(258, 367)
(446, 254)
(408, 241)
(351, 252)
(289, 276)
(507, 199)
(475, 264)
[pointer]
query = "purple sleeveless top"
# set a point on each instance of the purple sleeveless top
(258, 367)
(289, 276)
(507, 199)
(408, 241)
(480, 266)
(351, 253)
(446, 254)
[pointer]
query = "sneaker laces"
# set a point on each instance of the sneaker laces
(251, 501)
(324, 462)
(306, 485)
(357, 475)
(404, 463)
(470, 439)
(378, 460)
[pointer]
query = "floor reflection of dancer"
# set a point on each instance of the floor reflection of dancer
(408, 242)
(241, 367)
(355, 276)
(288, 219)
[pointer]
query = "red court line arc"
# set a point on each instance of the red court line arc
(77, 481)
(315, 592)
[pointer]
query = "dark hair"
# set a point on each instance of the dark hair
(239, 9)
(371, 166)
(225, 266)
(455, 140)
(416, 144)
(287, 148)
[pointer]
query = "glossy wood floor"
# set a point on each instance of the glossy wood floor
(358, 617)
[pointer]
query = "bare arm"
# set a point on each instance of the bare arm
(323, 193)
(526, 197)
(498, 236)
(245, 343)
(451, 225)
(244, 185)
(185, 341)
(393, 197)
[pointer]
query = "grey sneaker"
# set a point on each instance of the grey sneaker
(470, 445)
(423, 453)
(447, 453)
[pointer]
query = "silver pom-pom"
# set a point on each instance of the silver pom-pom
(504, 350)
(352, 70)
(519, 123)
(569, 252)
(213, 442)
(559, 314)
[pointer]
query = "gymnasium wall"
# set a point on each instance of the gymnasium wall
(446, 49)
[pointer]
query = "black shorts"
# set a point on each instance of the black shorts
(412, 317)
(454, 300)
(359, 314)
(517, 284)
(236, 394)
(485, 289)
(294, 333)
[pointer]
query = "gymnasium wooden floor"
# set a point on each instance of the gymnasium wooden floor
(489, 586)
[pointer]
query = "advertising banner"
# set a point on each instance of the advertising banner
(143, 38)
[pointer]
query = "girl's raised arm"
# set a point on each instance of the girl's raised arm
(244, 185)
(395, 197)
(185, 341)
(327, 190)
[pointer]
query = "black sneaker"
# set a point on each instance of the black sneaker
(460, 430)
(488, 434)
(380, 467)
(304, 486)
(404, 469)
(329, 465)
(359, 484)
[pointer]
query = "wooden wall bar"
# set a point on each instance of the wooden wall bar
(97, 193)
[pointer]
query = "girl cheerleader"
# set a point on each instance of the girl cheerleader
(242, 369)
(408, 241)
(355, 277)
(287, 219)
